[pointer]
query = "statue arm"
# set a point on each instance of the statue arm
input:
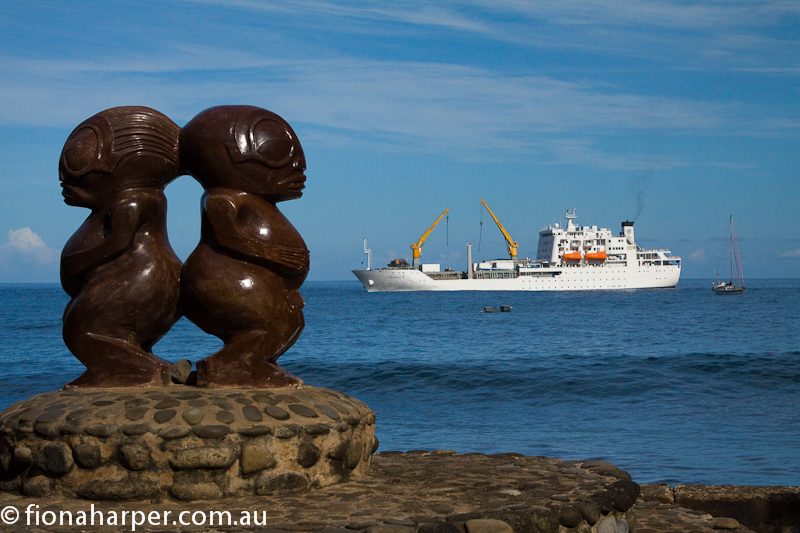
(222, 214)
(124, 219)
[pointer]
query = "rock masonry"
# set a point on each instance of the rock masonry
(431, 492)
(184, 443)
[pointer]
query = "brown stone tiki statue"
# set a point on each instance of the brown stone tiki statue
(118, 268)
(241, 282)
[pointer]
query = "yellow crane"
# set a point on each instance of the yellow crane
(512, 244)
(416, 247)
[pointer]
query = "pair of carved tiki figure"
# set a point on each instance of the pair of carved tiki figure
(126, 284)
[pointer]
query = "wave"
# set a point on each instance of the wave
(560, 377)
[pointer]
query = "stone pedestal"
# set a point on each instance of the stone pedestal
(423, 492)
(181, 442)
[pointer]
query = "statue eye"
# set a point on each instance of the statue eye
(82, 148)
(273, 142)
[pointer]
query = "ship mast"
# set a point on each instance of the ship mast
(368, 252)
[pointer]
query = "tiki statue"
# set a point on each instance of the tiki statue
(118, 267)
(241, 282)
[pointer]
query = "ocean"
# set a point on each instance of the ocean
(677, 385)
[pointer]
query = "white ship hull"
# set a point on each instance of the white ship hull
(587, 278)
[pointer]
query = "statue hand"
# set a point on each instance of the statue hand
(296, 259)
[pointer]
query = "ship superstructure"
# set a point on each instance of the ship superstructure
(571, 257)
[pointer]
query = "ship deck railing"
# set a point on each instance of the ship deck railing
(495, 274)
(450, 274)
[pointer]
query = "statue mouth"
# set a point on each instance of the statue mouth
(297, 184)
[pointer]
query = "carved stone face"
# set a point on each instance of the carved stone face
(262, 154)
(118, 148)
(85, 164)
(274, 163)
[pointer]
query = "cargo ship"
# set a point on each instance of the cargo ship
(568, 258)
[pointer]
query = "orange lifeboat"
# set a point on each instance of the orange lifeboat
(596, 256)
(571, 256)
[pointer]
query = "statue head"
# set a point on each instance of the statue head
(245, 148)
(116, 149)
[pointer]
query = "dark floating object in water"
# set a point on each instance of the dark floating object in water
(495, 309)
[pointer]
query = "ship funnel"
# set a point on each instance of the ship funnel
(627, 232)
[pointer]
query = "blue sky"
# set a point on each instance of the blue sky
(676, 113)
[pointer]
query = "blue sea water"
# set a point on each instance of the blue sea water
(676, 385)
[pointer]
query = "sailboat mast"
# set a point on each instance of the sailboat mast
(730, 236)
(735, 249)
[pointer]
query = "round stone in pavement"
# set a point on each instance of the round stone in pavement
(173, 432)
(303, 410)
(222, 404)
(276, 412)
(211, 431)
(255, 431)
(101, 430)
(165, 415)
(136, 429)
(136, 413)
(194, 416)
(330, 412)
(226, 417)
(252, 413)
(167, 403)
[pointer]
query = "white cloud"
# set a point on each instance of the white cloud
(395, 105)
(698, 255)
(409, 13)
(791, 253)
(653, 13)
(24, 243)
(714, 34)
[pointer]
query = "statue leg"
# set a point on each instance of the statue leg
(110, 361)
(248, 360)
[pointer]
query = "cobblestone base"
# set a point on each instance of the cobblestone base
(429, 492)
(183, 442)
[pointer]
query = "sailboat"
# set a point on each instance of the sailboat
(736, 283)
